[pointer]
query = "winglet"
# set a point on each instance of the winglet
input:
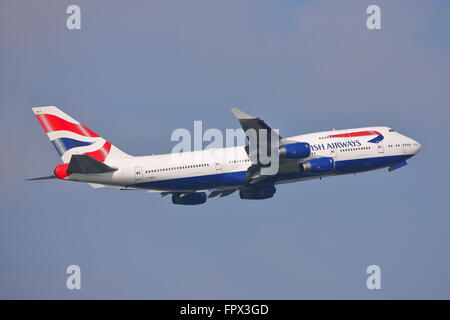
(241, 114)
(250, 122)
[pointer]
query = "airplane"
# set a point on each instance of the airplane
(203, 174)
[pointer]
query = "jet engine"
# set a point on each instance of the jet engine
(319, 165)
(297, 150)
(189, 198)
(257, 192)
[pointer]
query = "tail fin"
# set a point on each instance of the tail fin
(71, 137)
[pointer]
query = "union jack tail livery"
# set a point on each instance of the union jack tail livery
(70, 137)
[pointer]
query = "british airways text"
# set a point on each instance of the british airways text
(335, 145)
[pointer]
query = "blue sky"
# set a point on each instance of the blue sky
(138, 70)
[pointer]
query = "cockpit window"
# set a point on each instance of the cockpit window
(391, 130)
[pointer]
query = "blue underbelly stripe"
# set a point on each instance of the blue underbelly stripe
(238, 178)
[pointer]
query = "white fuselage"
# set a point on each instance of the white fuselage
(225, 168)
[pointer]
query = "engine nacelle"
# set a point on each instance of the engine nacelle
(257, 193)
(189, 198)
(297, 150)
(319, 165)
(60, 171)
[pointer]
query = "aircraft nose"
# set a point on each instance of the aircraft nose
(417, 146)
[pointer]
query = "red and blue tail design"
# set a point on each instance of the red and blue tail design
(377, 139)
(71, 137)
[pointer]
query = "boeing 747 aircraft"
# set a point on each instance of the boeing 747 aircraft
(198, 175)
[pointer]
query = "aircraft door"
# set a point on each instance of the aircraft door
(218, 160)
(380, 147)
(138, 173)
(333, 154)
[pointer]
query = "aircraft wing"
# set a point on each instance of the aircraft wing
(250, 122)
(259, 136)
(254, 172)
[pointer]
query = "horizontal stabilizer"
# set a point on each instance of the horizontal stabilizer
(85, 164)
(42, 178)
